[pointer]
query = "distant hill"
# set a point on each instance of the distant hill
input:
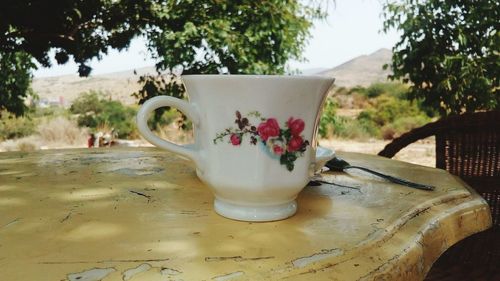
(361, 71)
(118, 86)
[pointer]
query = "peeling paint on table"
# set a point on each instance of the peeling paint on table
(130, 273)
(141, 214)
(95, 274)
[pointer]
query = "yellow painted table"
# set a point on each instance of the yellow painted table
(141, 214)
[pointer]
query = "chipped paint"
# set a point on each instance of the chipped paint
(169, 271)
(324, 254)
(229, 276)
(129, 273)
(15, 221)
(94, 274)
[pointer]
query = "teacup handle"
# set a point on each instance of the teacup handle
(162, 101)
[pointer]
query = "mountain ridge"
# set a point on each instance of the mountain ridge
(362, 70)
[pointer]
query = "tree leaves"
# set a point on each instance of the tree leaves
(15, 79)
(449, 51)
(197, 37)
(237, 37)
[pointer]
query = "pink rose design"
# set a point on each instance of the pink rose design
(235, 139)
(295, 143)
(296, 126)
(269, 128)
(287, 144)
(278, 150)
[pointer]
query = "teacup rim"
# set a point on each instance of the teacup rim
(258, 76)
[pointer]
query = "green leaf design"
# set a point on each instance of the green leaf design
(288, 160)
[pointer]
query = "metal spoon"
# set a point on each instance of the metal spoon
(338, 164)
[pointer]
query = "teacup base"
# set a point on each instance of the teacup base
(255, 213)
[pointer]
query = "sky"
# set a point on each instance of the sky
(353, 28)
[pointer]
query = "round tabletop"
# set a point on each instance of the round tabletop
(142, 214)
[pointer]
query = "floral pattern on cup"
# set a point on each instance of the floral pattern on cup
(284, 142)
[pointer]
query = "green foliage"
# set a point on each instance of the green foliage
(195, 36)
(386, 109)
(341, 126)
(156, 86)
(48, 112)
(236, 37)
(366, 123)
(329, 122)
(407, 123)
(233, 36)
(81, 30)
(118, 117)
(90, 102)
(390, 112)
(354, 129)
(374, 90)
(15, 79)
(163, 118)
(449, 50)
(397, 90)
(384, 112)
(12, 127)
(96, 112)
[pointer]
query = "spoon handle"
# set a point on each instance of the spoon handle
(394, 179)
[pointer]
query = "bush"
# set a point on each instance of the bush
(118, 117)
(340, 126)
(397, 90)
(375, 90)
(88, 102)
(366, 123)
(386, 109)
(96, 112)
(352, 129)
(389, 117)
(329, 121)
(170, 117)
(12, 127)
(386, 112)
(406, 124)
(48, 112)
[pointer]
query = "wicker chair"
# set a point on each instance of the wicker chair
(468, 146)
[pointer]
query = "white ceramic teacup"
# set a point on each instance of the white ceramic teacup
(255, 139)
